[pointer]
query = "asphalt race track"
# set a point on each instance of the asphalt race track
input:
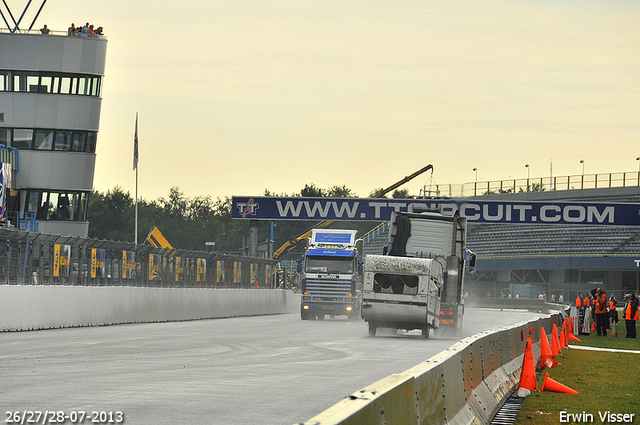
(250, 370)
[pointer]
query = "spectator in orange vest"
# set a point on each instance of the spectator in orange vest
(600, 310)
(579, 301)
(613, 312)
(631, 314)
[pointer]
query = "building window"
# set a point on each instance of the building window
(65, 86)
(4, 80)
(44, 139)
(54, 205)
(5, 136)
(63, 141)
(22, 138)
(79, 141)
(49, 82)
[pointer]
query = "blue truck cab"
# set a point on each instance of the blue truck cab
(331, 274)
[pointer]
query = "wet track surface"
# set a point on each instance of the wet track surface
(249, 370)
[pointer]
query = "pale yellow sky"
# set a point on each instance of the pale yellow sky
(236, 97)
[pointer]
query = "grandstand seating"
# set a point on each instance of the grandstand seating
(538, 240)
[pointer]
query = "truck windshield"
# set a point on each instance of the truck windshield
(317, 264)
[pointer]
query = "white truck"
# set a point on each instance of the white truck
(418, 283)
(331, 274)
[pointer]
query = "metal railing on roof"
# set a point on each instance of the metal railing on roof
(57, 33)
(540, 184)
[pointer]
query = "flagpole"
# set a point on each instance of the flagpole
(136, 226)
(135, 166)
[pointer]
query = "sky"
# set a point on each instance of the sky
(238, 97)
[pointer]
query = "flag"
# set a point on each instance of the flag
(3, 195)
(5, 184)
(135, 146)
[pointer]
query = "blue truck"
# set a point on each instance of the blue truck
(331, 275)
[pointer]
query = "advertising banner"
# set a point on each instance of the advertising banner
(179, 268)
(61, 260)
(201, 266)
(372, 209)
(155, 264)
(98, 257)
(220, 271)
(237, 272)
(128, 265)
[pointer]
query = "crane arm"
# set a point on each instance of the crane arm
(295, 241)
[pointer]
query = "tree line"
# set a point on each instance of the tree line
(188, 223)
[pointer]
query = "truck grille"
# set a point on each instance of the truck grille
(328, 287)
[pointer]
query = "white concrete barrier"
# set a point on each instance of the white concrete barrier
(26, 307)
(463, 385)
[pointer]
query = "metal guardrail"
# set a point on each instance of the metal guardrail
(38, 258)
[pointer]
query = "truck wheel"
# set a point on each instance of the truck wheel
(425, 332)
(372, 329)
(320, 316)
(304, 315)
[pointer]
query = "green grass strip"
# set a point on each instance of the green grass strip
(607, 382)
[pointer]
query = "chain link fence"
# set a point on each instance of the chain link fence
(31, 258)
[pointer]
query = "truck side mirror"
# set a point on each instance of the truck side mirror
(299, 266)
(472, 262)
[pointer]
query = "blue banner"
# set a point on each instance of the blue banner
(372, 209)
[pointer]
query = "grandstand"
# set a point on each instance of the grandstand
(552, 258)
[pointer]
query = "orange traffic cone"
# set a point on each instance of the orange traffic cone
(571, 325)
(528, 373)
(555, 344)
(572, 337)
(614, 329)
(546, 358)
(550, 385)
(563, 339)
(593, 326)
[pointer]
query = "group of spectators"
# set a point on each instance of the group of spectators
(87, 30)
(603, 311)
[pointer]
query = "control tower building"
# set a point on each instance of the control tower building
(50, 100)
